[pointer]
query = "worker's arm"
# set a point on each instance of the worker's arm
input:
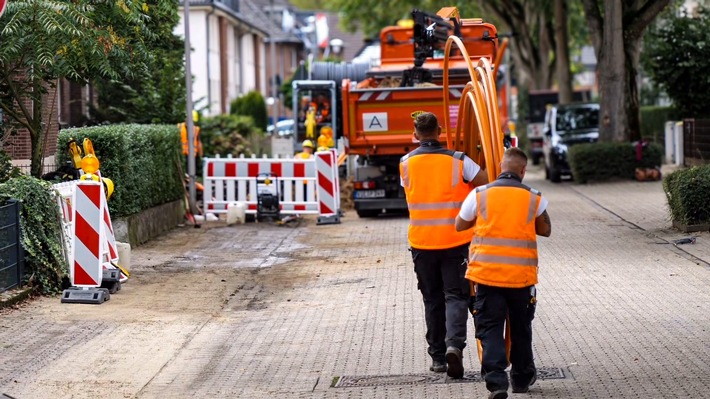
(480, 179)
(462, 224)
(543, 227)
(467, 215)
(473, 174)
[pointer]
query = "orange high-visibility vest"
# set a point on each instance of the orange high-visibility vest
(435, 189)
(183, 137)
(503, 252)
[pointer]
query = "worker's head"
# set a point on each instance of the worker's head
(308, 146)
(426, 127)
(514, 160)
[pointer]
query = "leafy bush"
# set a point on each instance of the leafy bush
(653, 122)
(687, 192)
(604, 161)
(251, 104)
(677, 57)
(227, 134)
(141, 160)
(7, 171)
(40, 232)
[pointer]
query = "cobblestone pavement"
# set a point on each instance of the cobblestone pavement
(257, 311)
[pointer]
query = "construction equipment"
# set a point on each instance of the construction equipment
(421, 70)
(267, 197)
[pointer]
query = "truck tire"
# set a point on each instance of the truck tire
(367, 213)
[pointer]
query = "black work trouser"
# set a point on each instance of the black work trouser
(446, 293)
(491, 306)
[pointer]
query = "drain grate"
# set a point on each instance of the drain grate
(353, 381)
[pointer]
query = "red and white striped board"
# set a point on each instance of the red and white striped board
(86, 247)
(228, 180)
(328, 189)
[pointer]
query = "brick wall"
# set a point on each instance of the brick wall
(19, 146)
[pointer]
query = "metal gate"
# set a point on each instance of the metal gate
(11, 253)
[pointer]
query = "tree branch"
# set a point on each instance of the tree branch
(645, 15)
(595, 22)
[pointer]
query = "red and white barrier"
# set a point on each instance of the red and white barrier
(69, 208)
(328, 187)
(228, 180)
(86, 245)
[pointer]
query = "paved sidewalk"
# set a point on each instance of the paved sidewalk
(283, 312)
(644, 205)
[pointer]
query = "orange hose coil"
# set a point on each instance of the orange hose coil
(478, 130)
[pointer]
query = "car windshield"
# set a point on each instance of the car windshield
(577, 118)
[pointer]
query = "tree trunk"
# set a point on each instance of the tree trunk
(612, 76)
(36, 130)
(564, 78)
(632, 53)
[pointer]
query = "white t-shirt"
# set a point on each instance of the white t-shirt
(470, 170)
(468, 209)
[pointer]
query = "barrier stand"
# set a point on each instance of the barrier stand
(328, 189)
(87, 245)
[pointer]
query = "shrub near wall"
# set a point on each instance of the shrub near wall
(653, 122)
(140, 159)
(605, 161)
(688, 195)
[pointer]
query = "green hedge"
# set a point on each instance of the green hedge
(40, 229)
(605, 161)
(140, 159)
(688, 195)
(653, 122)
(251, 104)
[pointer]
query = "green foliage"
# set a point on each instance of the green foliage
(44, 40)
(7, 171)
(605, 161)
(141, 160)
(687, 194)
(156, 95)
(227, 134)
(677, 57)
(40, 232)
(370, 16)
(653, 121)
(253, 105)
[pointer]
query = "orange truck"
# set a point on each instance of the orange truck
(376, 113)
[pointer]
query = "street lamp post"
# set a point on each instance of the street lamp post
(189, 124)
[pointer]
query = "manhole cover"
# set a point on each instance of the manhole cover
(354, 381)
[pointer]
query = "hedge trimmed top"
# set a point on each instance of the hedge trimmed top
(141, 160)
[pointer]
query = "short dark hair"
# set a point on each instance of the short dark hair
(426, 124)
(516, 152)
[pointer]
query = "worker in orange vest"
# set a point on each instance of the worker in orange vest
(436, 181)
(506, 216)
(183, 136)
(307, 152)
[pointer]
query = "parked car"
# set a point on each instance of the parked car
(565, 126)
(282, 128)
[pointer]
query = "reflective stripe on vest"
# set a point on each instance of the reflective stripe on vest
(435, 190)
(503, 252)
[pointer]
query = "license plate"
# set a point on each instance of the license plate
(370, 193)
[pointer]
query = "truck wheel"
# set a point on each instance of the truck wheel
(555, 175)
(367, 213)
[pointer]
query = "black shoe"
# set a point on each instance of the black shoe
(524, 388)
(438, 366)
(454, 358)
(500, 394)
